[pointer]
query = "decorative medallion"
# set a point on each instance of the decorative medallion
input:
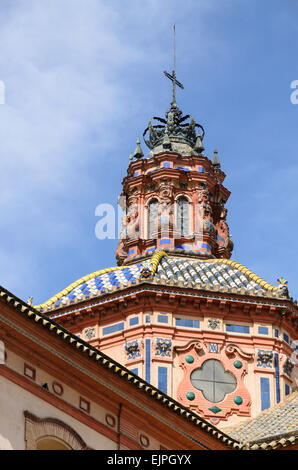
(132, 349)
(237, 364)
(190, 396)
(89, 333)
(189, 359)
(238, 400)
(288, 366)
(163, 347)
(213, 324)
(265, 358)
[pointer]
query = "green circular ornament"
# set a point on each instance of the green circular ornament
(238, 364)
(238, 400)
(190, 396)
(189, 359)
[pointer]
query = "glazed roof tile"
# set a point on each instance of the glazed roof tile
(272, 428)
(216, 274)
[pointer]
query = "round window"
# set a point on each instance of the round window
(213, 380)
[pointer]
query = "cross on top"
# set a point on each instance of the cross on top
(173, 76)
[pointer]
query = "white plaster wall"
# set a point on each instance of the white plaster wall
(70, 395)
(14, 400)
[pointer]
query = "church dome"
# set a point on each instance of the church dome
(180, 271)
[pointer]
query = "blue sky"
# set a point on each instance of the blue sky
(83, 78)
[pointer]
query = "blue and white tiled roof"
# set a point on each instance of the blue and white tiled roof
(201, 274)
(105, 282)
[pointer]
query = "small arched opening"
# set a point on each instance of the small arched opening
(50, 434)
(182, 220)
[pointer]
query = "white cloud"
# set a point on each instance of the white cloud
(61, 63)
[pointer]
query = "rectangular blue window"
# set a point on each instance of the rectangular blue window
(148, 360)
(147, 319)
(135, 371)
(287, 389)
(113, 328)
(166, 165)
(265, 393)
(286, 338)
(165, 241)
(182, 168)
(263, 330)
(237, 328)
(162, 379)
(276, 333)
(134, 321)
(162, 318)
(187, 322)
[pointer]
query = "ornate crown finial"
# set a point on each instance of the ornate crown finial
(174, 128)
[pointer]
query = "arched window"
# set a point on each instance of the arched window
(50, 434)
(152, 215)
(183, 216)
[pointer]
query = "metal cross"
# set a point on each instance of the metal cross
(173, 76)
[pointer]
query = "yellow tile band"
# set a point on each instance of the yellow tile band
(155, 259)
(245, 271)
